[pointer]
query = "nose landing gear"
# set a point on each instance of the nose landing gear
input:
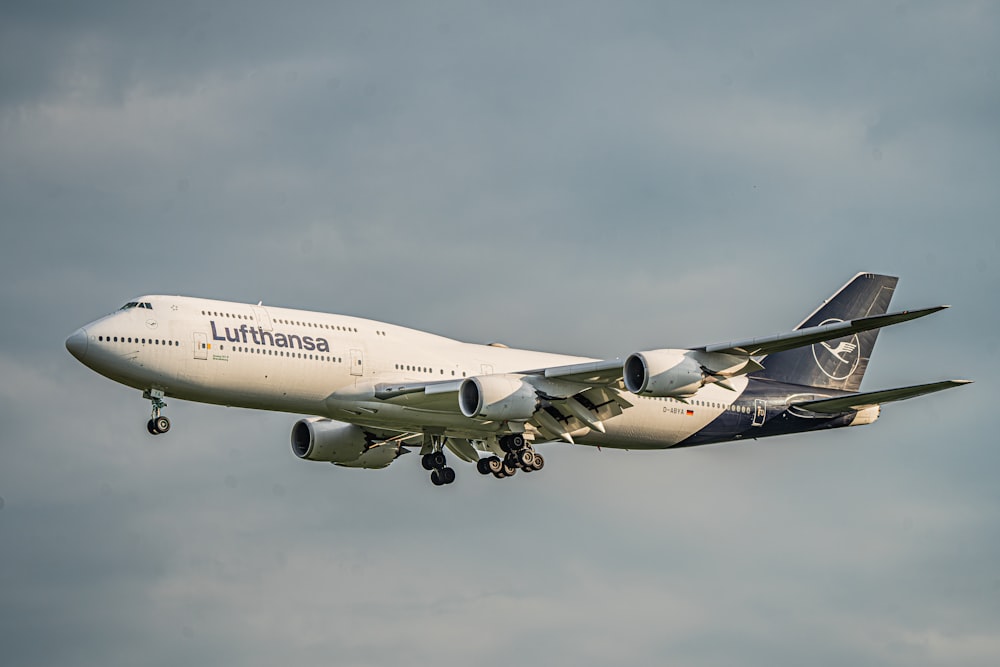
(157, 423)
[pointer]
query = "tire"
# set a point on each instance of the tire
(516, 441)
(151, 427)
(161, 424)
(483, 466)
(538, 463)
(447, 475)
(426, 462)
(438, 460)
(436, 477)
(526, 458)
(495, 464)
(509, 470)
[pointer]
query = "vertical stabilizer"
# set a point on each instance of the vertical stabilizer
(840, 363)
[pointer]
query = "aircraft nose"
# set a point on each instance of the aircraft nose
(77, 343)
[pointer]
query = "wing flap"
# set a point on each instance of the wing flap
(857, 402)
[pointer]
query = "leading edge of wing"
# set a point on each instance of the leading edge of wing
(385, 391)
(855, 402)
(609, 372)
(755, 347)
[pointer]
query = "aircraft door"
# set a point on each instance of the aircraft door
(200, 346)
(262, 317)
(357, 363)
(759, 412)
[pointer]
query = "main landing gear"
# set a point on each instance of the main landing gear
(157, 423)
(436, 462)
(518, 454)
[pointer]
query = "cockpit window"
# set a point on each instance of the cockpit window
(137, 304)
(130, 304)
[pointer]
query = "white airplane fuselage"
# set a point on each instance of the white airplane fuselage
(312, 363)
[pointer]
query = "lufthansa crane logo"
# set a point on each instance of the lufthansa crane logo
(839, 358)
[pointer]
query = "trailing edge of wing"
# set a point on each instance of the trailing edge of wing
(802, 337)
(861, 401)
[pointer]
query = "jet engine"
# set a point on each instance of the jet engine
(497, 397)
(342, 444)
(680, 373)
(663, 373)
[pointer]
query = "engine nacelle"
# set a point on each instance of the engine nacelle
(343, 444)
(663, 373)
(498, 398)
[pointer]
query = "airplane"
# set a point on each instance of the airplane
(376, 390)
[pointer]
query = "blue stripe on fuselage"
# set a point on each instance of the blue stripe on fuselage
(779, 419)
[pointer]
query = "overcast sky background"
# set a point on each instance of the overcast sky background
(594, 178)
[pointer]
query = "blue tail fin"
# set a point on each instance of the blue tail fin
(841, 363)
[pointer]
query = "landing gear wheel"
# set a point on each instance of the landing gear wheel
(483, 466)
(156, 424)
(511, 443)
(526, 458)
(538, 463)
(438, 460)
(442, 476)
(509, 471)
(427, 462)
(495, 464)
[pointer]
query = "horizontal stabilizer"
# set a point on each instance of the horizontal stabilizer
(811, 335)
(856, 402)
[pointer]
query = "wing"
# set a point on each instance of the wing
(564, 403)
(862, 401)
(756, 347)
(584, 395)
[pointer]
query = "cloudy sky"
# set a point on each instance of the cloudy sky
(594, 178)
